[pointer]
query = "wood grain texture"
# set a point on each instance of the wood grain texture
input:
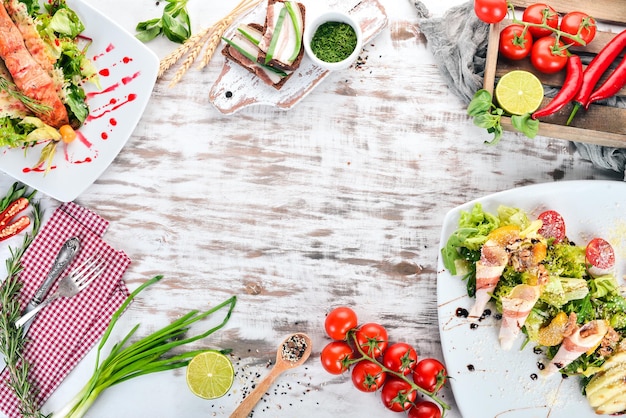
(338, 201)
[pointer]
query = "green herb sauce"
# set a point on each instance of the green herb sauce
(333, 41)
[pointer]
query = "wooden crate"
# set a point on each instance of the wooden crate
(602, 125)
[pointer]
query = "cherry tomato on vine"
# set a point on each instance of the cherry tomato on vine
(339, 321)
(547, 56)
(578, 23)
(335, 355)
(400, 357)
(372, 338)
(368, 376)
(515, 42)
(553, 225)
(424, 409)
(426, 372)
(398, 395)
(536, 13)
(490, 11)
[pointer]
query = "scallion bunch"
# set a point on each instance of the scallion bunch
(147, 355)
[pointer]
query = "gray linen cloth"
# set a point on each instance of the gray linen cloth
(458, 40)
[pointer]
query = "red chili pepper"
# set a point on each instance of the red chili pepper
(611, 86)
(596, 68)
(571, 86)
(13, 209)
(15, 228)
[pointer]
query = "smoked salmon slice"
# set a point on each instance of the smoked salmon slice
(29, 77)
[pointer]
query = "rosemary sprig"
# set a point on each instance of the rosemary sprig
(30, 103)
(12, 339)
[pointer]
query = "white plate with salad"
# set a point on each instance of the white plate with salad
(126, 73)
(487, 380)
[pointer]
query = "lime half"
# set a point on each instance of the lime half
(519, 92)
(210, 375)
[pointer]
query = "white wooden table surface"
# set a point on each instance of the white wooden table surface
(338, 201)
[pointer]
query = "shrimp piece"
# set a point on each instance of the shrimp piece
(32, 80)
(515, 309)
(583, 339)
(494, 257)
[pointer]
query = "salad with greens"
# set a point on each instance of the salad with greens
(561, 296)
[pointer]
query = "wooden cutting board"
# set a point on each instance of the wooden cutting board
(236, 88)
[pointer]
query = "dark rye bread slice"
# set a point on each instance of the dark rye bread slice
(274, 63)
(252, 66)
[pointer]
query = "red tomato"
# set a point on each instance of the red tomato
(368, 376)
(372, 338)
(400, 357)
(398, 395)
(427, 372)
(541, 13)
(339, 321)
(335, 357)
(490, 11)
(578, 23)
(515, 42)
(600, 254)
(553, 225)
(548, 57)
(424, 409)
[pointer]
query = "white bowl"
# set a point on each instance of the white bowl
(332, 16)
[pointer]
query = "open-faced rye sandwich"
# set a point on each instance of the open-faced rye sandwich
(42, 68)
(272, 51)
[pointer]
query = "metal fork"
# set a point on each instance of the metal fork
(70, 285)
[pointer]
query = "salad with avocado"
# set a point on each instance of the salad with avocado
(559, 295)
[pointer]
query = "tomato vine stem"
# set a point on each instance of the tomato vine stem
(414, 387)
(559, 33)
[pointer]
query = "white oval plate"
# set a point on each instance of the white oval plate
(500, 384)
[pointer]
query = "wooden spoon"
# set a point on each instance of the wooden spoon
(293, 352)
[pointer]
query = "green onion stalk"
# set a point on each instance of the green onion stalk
(147, 355)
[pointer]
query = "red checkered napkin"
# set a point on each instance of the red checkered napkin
(67, 329)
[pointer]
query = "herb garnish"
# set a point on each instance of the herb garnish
(175, 24)
(487, 115)
(12, 339)
(333, 41)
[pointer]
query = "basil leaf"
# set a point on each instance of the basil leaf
(148, 30)
(525, 124)
(175, 30)
(481, 102)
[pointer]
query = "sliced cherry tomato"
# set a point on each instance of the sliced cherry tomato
(372, 338)
(424, 409)
(368, 376)
(398, 395)
(541, 13)
(339, 321)
(490, 11)
(547, 56)
(335, 357)
(600, 254)
(400, 357)
(578, 23)
(428, 372)
(552, 225)
(515, 42)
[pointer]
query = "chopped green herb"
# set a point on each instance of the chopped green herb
(333, 41)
